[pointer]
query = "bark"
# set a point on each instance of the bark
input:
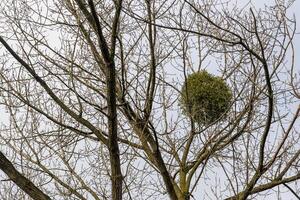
(24, 183)
(114, 153)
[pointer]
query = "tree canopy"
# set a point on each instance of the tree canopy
(94, 92)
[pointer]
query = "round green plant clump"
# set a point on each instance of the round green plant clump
(205, 98)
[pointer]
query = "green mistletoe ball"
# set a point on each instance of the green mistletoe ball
(205, 98)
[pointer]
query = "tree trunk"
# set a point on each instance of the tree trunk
(25, 184)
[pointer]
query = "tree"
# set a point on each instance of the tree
(85, 81)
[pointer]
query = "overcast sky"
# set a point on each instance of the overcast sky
(294, 10)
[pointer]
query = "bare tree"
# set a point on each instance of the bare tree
(88, 81)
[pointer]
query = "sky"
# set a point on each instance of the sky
(293, 11)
